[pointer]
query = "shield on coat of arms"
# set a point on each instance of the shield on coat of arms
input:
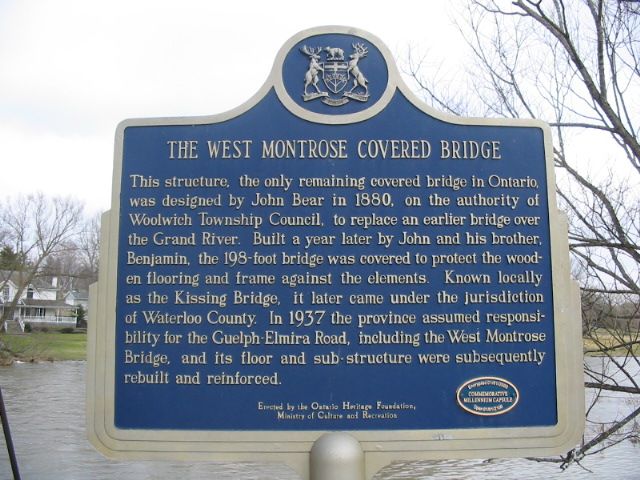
(335, 75)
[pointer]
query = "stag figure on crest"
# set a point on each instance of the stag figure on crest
(359, 80)
(311, 76)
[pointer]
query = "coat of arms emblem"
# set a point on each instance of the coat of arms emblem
(336, 73)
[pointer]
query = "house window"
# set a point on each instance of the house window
(5, 293)
(30, 292)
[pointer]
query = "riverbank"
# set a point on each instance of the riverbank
(42, 347)
(615, 343)
(56, 346)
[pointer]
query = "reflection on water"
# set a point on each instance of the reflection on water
(45, 405)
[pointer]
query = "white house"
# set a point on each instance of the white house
(78, 298)
(38, 304)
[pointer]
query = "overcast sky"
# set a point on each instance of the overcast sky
(71, 70)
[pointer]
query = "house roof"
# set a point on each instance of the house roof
(41, 283)
(7, 275)
(30, 302)
(79, 294)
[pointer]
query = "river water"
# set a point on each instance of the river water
(46, 403)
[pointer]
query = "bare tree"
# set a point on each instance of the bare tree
(76, 264)
(37, 228)
(575, 64)
(89, 245)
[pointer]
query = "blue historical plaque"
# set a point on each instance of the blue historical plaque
(336, 256)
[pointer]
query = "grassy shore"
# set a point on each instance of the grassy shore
(616, 345)
(50, 346)
(55, 346)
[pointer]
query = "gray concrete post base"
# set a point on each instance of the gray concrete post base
(337, 456)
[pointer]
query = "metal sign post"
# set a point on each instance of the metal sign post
(334, 256)
(8, 439)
